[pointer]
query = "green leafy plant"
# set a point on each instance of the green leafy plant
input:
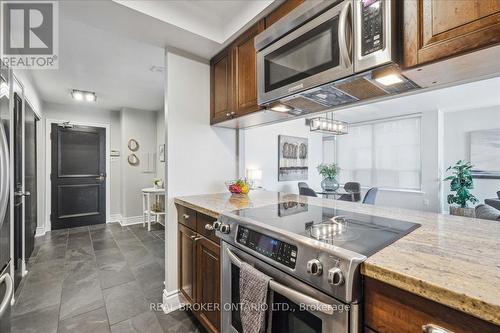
(328, 170)
(461, 184)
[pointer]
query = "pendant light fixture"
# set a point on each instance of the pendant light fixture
(328, 125)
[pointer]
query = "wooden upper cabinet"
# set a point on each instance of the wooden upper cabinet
(220, 86)
(281, 11)
(245, 71)
(437, 29)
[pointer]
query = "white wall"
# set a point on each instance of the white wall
(457, 126)
(261, 152)
(160, 139)
(141, 126)
(200, 157)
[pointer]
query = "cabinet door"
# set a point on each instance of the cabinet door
(187, 262)
(436, 29)
(221, 86)
(245, 71)
(283, 9)
(208, 282)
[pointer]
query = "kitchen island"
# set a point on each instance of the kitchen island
(450, 260)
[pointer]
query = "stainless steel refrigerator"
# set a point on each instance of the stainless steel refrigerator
(6, 282)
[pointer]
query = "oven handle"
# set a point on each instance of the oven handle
(312, 304)
(345, 45)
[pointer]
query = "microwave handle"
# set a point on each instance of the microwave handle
(312, 304)
(345, 45)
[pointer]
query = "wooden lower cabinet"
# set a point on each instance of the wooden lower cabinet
(208, 282)
(388, 309)
(199, 268)
(187, 259)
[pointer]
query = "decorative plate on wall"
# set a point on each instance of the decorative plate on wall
(133, 159)
(133, 145)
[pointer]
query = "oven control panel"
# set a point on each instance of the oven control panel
(372, 38)
(275, 249)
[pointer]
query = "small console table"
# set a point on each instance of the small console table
(147, 212)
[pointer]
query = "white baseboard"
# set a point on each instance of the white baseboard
(40, 231)
(133, 220)
(172, 301)
(113, 218)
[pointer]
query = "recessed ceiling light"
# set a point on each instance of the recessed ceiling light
(80, 95)
(90, 97)
(389, 79)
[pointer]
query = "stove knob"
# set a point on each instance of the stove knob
(314, 267)
(335, 277)
(224, 228)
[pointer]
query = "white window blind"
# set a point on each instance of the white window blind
(382, 154)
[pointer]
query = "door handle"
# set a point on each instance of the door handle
(432, 328)
(345, 44)
(8, 292)
(101, 178)
(22, 194)
(293, 295)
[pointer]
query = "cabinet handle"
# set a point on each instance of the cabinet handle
(198, 238)
(186, 216)
(432, 328)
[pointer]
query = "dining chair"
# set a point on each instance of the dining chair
(307, 191)
(370, 196)
(302, 184)
(355, 189)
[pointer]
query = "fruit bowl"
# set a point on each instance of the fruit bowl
(238, 186)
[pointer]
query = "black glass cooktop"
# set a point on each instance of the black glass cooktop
(363, 234)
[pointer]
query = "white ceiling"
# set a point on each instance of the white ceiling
(109, 48)
(216, 20)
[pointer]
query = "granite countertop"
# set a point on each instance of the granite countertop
(452, 260)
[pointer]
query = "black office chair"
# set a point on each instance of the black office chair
(307, 191)
(355, 189)
(370, 196)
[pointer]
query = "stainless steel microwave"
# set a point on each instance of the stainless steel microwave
(323, 41)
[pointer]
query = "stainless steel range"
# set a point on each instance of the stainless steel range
(312, 253)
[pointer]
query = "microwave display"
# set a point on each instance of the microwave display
(275, 249)
(372, 26)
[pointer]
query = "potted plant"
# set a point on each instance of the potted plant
(158, 183)
(461, 184)
(329, 173)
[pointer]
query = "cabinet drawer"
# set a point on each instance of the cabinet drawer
(203, 220)
(388, 309)
(186, 216)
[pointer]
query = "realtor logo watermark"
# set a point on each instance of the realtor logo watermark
(29, 34)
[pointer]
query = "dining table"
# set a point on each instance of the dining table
(335, 194)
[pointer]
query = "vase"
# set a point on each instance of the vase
(329, 184)
(459, 211)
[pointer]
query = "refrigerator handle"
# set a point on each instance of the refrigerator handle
(8, 292)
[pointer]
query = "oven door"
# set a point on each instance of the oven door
(318, 52)
(297, 307)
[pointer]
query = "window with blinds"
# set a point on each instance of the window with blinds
(382, 154)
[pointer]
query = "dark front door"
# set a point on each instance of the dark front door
(30, 209)
(78, 176)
